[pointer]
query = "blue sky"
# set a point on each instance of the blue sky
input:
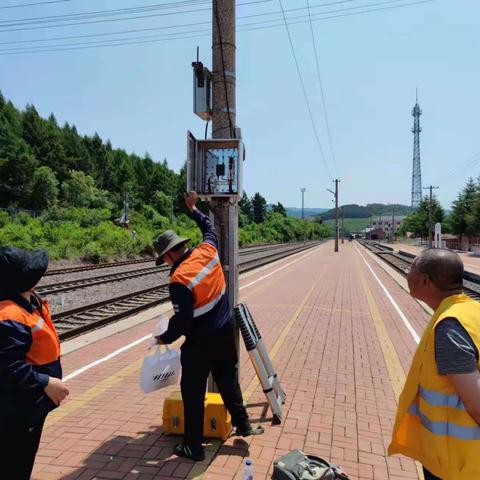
(139, 96)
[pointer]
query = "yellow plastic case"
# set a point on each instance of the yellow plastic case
(217, 422)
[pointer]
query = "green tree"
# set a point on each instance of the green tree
(417, 221)
(279, 208)
(245, 210)
(462, 217)
(259, 207)
(44, 189)
(79, 190)
(164, 204)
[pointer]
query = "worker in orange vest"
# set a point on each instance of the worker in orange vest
(438, 415)
(203, 315)
(30, 369)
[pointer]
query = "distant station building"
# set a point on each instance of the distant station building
(385, 226)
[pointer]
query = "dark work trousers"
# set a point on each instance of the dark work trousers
(18, 450)
(429, 476)
(216, 355)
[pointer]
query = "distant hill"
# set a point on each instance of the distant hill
(359, 211)
(308, 212)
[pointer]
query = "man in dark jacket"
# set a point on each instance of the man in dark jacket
(203, 316)
(30, 369)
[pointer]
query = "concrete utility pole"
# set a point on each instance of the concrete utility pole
(303, 214)
(430, 229)
(335, 193)
(393, 222)
(223, 126)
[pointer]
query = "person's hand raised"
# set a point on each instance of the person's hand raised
(190, 200)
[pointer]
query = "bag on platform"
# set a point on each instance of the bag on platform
(296, 465)
(160, 370)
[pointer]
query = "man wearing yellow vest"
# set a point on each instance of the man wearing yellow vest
(203, 316)
(438, 415)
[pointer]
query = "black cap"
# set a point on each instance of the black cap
(20, 270)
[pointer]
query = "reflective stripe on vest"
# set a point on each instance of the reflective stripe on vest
(204, 272)
(438, 399)
(445, 428)
(39, 325)
(209, 306)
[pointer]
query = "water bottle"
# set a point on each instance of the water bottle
(248, 470)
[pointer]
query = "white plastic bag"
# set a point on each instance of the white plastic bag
(160, 370)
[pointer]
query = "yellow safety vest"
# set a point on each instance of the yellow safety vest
(432, 424)
(201, 272)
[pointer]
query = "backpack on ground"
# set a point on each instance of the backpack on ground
(297, 465)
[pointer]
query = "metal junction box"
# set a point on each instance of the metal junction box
(202, 91)
(214, 167)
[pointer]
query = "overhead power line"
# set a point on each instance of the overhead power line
(102, 13)
(138, 30)
(34, 4)
(324, 103)
(187, 35)
(307, 102)
(27, 27)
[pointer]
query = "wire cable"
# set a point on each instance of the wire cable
(183, 35)
(101, 13)
(33, 4)
(304, 91)
(324, 103)
(137, 30)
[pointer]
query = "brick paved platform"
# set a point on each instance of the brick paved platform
(341, 351)
(471, 261)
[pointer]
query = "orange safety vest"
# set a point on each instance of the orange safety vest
(432, 424)
(45, 347)
(201, 272)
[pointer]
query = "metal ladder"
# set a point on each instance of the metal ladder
(261, 361)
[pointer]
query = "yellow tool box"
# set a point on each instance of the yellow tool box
(217, 422)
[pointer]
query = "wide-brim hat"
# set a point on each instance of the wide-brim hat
(165, 242)
(20, 270)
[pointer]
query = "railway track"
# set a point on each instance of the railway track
(79, 320)
(53, 288)
(402, 260)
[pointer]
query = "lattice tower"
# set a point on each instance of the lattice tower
(417, 170)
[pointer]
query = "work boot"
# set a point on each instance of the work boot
(185, 451)
(248, 430)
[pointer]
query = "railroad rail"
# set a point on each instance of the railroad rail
(401, 260)
(79, 320)
(53, 288)
(85, 268)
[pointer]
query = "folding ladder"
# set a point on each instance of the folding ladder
(261, 361)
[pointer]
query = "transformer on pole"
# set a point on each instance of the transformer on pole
(417, 170)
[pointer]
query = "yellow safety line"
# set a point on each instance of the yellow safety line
(394, 367)
(85, 397)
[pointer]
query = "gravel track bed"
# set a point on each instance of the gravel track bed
(94, 273)
(98, 293)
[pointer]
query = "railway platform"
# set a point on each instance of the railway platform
(341, 333)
